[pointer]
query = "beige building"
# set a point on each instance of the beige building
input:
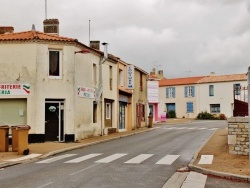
(132, 97)
(63, 89)
(50, 83)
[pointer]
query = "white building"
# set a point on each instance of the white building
(191, 95)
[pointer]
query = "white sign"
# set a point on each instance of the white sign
(130, 76)
(86, 92)
(14, 89)
(153, 91)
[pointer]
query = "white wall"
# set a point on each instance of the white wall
(223, 95)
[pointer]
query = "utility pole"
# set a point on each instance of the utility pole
(248, 82)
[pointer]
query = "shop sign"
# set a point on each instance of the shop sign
(153, 91)
(130, 76)
(86, 92)
(14, 89)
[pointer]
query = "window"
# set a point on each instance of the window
(189, 91)
(170, 92)
(94, 112)
(94, 74)
(55, 63)
(110, 77)
(215, 108)
(108, 111)
(237, 89)
(141, 83)
(121, 76)
(190, 107)
(211, 90)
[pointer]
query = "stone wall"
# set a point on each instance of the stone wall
(238, 136)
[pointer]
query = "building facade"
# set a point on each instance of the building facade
(49, 82)
(192, 95)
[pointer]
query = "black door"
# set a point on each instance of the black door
(51, 121)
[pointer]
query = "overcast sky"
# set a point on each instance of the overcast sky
(181, 37)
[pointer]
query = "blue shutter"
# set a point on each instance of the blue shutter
(186, 91)
(167, 92)
(190, 107)
(173, 89)
(193, 91)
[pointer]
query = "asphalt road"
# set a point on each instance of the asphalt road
(145, 160)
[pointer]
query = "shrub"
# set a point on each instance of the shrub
(171, 114)
(205, 115)
(222, 117)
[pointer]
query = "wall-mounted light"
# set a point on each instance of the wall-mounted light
(83, 51)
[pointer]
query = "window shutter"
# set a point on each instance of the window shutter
(186, 91)
(167, 92)
(193, 91)
(173, 89)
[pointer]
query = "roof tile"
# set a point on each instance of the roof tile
(32, 35)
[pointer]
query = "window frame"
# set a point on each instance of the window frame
(170, 92)
(121, 77)
(189, 91)
(108, 111)
(211, 90)
(59, 76)
(215, 106)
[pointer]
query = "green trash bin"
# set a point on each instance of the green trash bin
(4, 138)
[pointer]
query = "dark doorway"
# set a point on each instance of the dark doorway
(54, 126)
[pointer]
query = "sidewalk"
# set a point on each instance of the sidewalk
(224, 164)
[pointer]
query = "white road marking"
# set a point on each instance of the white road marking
(45, 185)
(206, 159)
(111, 158)
(194, 180)
(83, 169)
(56, 158)
(138, 159)
(168, 159)
(30, 156)
(192, 128)
(212, 129)
(83, 158)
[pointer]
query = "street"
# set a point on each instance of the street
(145, 160)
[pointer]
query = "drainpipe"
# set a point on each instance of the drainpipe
(100, 87)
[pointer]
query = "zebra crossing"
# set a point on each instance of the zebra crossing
(166, 160)
(191, 128)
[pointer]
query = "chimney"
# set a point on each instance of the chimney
(6, 29)
(160, 73)
(212, 73)
(95, 44)
(51, 26)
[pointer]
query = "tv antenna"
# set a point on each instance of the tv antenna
(45, 9)
(188, 72)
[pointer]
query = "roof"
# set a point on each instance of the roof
(203, 79)
(179, 81)
(34, 35)
(223, 78)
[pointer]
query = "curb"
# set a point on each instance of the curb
(226, 175)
